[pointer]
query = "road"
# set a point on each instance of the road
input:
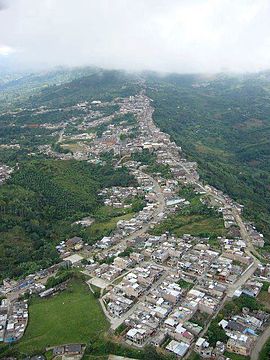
(260, 343)
(245, 235)
(61, 134)
(251, 251)
(159, 209)
(118, 321)
(14, 295)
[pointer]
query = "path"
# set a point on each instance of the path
(260, 344)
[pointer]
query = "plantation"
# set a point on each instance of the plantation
(41, 201)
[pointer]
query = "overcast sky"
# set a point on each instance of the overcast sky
(165, 35)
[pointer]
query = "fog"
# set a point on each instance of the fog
(163, 35)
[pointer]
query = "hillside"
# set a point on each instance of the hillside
(101, 84)
(39, 204)
(223, 123)
(16, 87)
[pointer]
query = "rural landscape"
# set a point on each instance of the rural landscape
(120, 237)
(134, 180)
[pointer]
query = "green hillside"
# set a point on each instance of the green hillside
(223, 123)
(39, 204)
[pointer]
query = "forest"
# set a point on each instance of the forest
(223, 123)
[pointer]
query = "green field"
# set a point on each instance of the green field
(74, 316)
(233, 356)
(195, 225)
(265, 352)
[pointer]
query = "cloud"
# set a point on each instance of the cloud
(175, 35)
(6, 50)
(3, 5)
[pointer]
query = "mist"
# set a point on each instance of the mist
(181, 36)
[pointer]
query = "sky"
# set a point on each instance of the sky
(184, 36)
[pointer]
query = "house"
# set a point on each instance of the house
(202, 348)
(73, 349)
(242, 345)
(59, 350)
(178, 348)
(73, 259)
(137, 335)
(74, 243)
(182, 334)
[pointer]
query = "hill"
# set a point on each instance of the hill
(100, 85)
(39, 204)
(222, 122)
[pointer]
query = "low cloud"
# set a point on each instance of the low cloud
(6, 50)
(175, 35)
(3, 5)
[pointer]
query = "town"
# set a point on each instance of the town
(160, 288)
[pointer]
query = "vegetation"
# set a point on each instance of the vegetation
(200, 318)
(196, 219)
(121, 328)
(73, 316)
(103, 85)
(265, 352)
(61, 276)
(264, 296)
(103, 347)
(39, 204)
(16, 88)
(103, 228)
(234, 356)
(194, 356)
(223, 123)
(147, 158)
(215, 332)
(184, 284)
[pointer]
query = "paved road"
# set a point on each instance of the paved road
(243, 278)
(159, 209)
(118, 321)
(245, 235)
(260, 343)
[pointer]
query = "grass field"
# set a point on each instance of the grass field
(191, 224)
(264, 298)
(73, 316)
(203, 225)
(233, 356)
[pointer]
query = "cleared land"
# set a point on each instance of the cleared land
(191, 224)
(104, 228)
(264, 298)
(73, 316)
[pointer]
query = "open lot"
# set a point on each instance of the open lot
(74, 316)
(191, 224)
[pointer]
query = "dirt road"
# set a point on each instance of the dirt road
(260, 343)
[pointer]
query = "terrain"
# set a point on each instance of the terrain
(222, 122)
(39, 205)
(71, 317)
(151, 225)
